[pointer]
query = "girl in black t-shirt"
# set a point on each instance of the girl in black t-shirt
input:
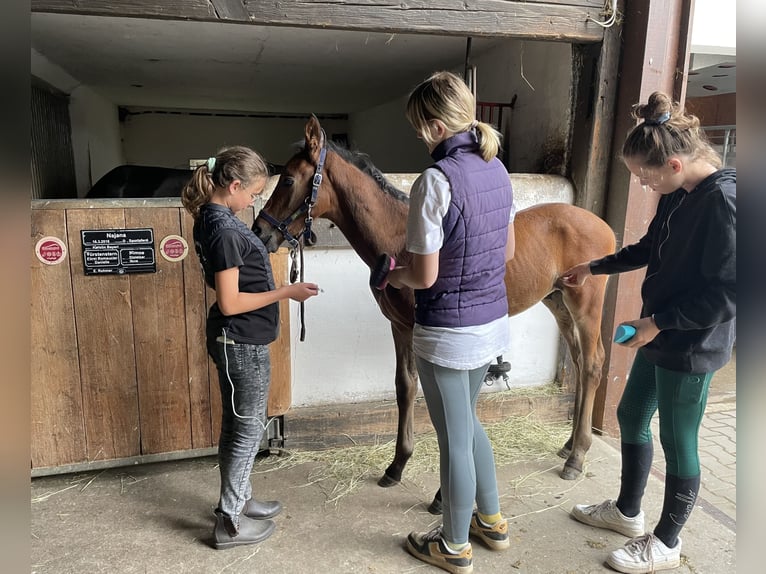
(240, 325)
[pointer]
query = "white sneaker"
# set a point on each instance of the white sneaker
(645, 554)
(607, 515)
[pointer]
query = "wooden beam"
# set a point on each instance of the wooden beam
(169, 9)
(230, 9)
(571, 21)
(596, 73)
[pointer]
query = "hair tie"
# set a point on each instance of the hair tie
(210, 164)
(659, 121)
(474, 123)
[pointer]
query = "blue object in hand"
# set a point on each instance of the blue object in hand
(624, 333)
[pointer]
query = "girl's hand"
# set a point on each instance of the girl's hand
(576, 276)
(302, 291)
(646, 331)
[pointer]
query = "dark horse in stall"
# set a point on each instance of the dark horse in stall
(131, 181)
(323, 180)
(136, 181)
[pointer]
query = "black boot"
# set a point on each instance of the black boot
(250, 531)
(260, 510)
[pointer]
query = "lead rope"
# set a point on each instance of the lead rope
(296, 273)
(303, 323)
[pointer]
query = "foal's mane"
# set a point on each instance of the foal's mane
(362, 162)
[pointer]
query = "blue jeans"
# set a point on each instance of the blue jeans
(247, 370)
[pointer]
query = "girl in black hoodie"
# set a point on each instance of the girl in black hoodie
(686, 330)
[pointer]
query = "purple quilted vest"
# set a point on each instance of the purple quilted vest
(470, 288)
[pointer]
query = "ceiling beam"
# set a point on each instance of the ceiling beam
(557, 20)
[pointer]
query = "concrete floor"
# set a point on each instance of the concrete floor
(158, 518)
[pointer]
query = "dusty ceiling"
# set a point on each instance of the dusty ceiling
(211, 65)
(712, 80)
(244, 67)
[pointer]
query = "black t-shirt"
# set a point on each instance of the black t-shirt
(222, 241)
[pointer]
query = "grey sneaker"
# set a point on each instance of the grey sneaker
(430, 547)
(645, 554)
(607, 515)
(495, 536)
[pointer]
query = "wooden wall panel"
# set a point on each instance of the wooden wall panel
(159, 331)
(280, 392)
(57, 426)
(121, 370)
(720, 110)
(105, 337)
(215, 391)
(196, 315)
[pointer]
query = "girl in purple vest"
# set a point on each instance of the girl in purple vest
(459, 235)
(685, 332)
(241, 324)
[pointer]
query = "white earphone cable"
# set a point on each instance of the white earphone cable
(231, 383)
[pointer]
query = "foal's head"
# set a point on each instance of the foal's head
(298, 193)
(283, 218)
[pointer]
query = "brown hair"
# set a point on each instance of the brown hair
(666, 130)
(230, 163)
(444, 96)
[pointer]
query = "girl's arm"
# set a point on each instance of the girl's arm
(231, 301)
(421, 273)
(510, 246)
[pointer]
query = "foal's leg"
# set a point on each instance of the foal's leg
(555, 304)
(406, 388)
(585, 305)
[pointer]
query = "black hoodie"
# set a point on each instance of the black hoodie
(690, 286)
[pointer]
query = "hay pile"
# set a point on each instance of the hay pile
(342, 470)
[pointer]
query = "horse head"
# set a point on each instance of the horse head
(298, 196)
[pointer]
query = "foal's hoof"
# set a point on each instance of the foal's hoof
(386, 481)
(436, 505)
(570, 473)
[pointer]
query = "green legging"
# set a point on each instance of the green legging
(681, 399)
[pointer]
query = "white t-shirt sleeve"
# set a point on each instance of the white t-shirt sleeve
(513, 213)
(429, 200)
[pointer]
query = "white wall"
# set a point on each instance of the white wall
(386, 136)
(96, 137)
(96, 143)
(171, 139)
(538, 73)
(348, 354)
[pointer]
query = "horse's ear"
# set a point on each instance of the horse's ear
(314, 138)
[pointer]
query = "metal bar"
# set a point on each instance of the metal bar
(726, 145)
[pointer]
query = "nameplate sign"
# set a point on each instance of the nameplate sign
(118, 251)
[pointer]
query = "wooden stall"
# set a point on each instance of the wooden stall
(120, 373)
